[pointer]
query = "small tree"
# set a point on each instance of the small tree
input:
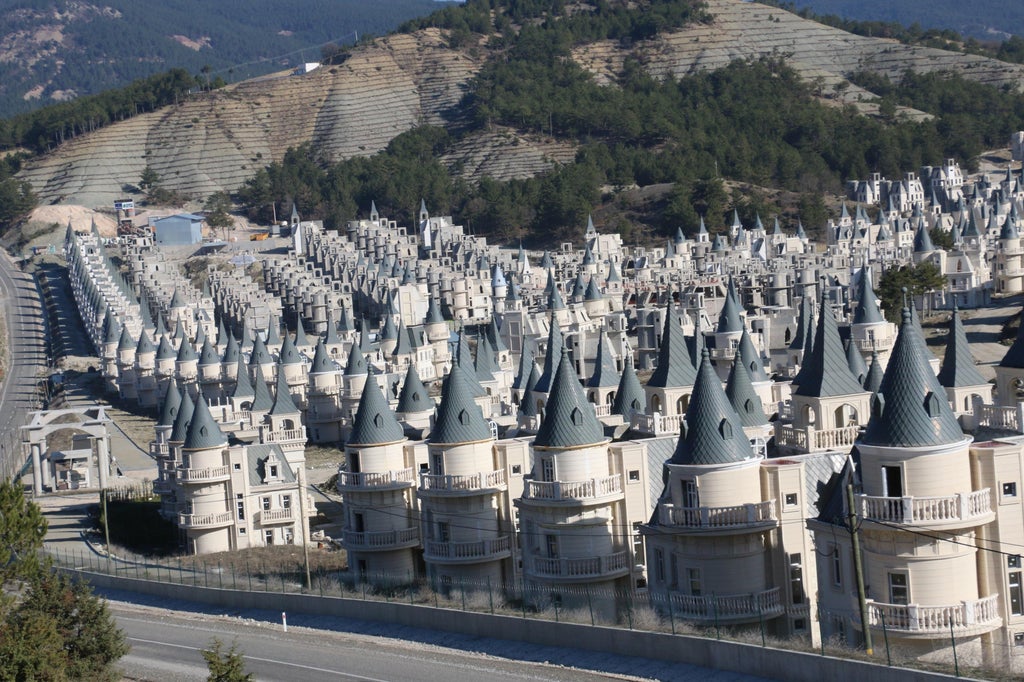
(217, 216)
(225, 666)
(22, 529)
(916, 279)
(150, 178)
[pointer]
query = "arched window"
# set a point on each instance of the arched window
(655, 403)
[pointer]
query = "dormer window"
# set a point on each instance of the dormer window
(273, 471)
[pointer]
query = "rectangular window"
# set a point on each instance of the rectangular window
(899, 589)
(268, 537)
(691, 496)
(552, 546)
(241, 531)
(634, 475)
(273, 471)
(547, 469)
(286, 502)
(791, 499)
(437, 464)
(444, 531)
(892, 481)
(837, 566)
(659, 566)
(241, 511)
(517, 469)
(266, 503)
(673, 577)
(1010, 489)
(638, 543)
(1016, 596)
(238, 467)
(796, 578)
(693, 581)
(1018, 639)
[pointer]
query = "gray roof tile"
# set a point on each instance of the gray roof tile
(742, 396)
(958, 368)
(203, 431)
(605, 373)
(629, 397)
(569, 420)
(374, 423)
(459, 419)
(826, 373)
(414, 397)
(911, 409)
(674, 365)
(714, 432)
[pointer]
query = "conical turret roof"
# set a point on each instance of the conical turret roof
(125, 342)
(203, 431)
(958, 368)
(855, 361)
(911, 409)
(629, 397)
(273, 335)
(404, 345)
(494, 336)
(714, 432)
(374, 423)
(186, 353)
(923, 240)
(289, 353)
(300, 335)
(356, 365)
(331, 337)
(259, 355)
(569, 420)
(742, 396)
(112, 329)
(827, 370)
(525, 361)
(434, 315)
(485, 364)
(145, 345)
(208, 356)
(551, 359)
(605, 373)
(283, 403)
(674, 366)
(751, 358)
(414, 397)
(873, 381)
(243, 387)
(526, 404)
(171, 405)
(322, 362)
(262, 400)
(165, 350)
(181, 421)
(867, 311)
(803, 321)
(459, 419)
(729, 320)
(231, 351)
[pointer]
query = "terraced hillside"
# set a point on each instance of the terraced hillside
(218, 140)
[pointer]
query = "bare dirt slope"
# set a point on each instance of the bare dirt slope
(218, 140)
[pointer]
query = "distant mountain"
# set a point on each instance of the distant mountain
(55, 50)
(981, 19)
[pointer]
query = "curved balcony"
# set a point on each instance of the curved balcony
(203, 475)
(380, 541)
(573, 492)
(730, 608)
(374, 480)
(331, 389)
(735, 519)
(493, 549)
(200, 521)
(571, 569)
(810, 439)
(967, 618)
(475, 484)
(973, 508)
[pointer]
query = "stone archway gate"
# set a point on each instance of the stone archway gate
(44, 423)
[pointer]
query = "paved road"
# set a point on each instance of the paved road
(26, 336)
(166, 648)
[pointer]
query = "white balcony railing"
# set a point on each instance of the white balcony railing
(730, 607)
(376, 479)
(283, 435)
(810, 439)
(203, 475)
(926, 510)
(572, 491)
(978, 615)
(479, 550)
(205, 520)
(712, 518)
(656, 423)
(268, 516)
(448, 483)
(997, 416)
(579, 567)
(380, 540)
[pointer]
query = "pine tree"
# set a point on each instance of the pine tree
(225, 666)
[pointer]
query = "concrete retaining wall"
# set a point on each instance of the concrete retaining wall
(717, 654)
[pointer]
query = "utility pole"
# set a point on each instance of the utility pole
(858, 569)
